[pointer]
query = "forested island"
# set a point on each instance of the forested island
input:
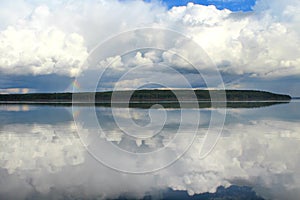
(149, 96)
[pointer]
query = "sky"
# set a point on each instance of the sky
(46, 46)
(233, 5)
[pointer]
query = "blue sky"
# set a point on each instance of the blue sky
(233, 5)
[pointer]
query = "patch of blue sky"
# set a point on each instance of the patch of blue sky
(233, 5)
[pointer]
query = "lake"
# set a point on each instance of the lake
(65, 152)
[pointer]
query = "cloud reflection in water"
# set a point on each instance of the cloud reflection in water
(49, 160)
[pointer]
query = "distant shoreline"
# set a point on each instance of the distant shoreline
(137, 102)
(148, 96)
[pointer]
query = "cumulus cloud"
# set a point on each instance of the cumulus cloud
(31, 47)
(242, 43)
(56, 38)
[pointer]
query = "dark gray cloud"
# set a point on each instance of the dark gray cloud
(40, 83)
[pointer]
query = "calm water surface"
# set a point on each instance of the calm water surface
(56, 152)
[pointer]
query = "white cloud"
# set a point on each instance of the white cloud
(55, 38)
(139, 59)
(115, 63)
(33, 47)
(259, 42)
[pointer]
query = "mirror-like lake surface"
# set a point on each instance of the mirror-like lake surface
(60, 152)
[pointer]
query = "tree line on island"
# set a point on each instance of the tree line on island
(153, 95)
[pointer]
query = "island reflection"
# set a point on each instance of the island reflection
(146, 105)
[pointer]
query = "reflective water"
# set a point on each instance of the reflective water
(56, 152)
